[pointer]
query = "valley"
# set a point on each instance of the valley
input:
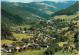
(39, 28)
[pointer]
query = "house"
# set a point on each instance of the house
(18, 48)
(23, 32)
(4, 50)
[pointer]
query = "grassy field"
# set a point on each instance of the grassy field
(6, 41)
(20, 36)
(22, 26)
(37, 52)
(27, 52)
(65, 53)
(31, 52)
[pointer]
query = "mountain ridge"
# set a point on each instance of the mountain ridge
(26, 12)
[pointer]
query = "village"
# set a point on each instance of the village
(38, 41)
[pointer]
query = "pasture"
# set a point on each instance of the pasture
(27, 52)
(7, 41)
(65, 53)
(21, 36)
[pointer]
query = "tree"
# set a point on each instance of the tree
(5, 32)
(25, 28)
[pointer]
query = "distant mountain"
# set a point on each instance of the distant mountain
(68, 11)
(46, 8)
(15, 13)
(42, 9)
(60, 5)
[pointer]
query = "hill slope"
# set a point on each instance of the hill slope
(15, 13)
(68, 11)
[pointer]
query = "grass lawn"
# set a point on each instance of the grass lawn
(20, 36)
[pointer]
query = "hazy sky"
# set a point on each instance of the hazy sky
(37, 0)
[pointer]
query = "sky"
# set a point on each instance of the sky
(27, 1)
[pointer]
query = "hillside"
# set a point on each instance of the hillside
(17, 15)
(33, 10)
(23, 14)
(10, 18)
(68, 11)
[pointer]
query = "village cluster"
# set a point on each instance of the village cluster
(42, 38)
(38, 41)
